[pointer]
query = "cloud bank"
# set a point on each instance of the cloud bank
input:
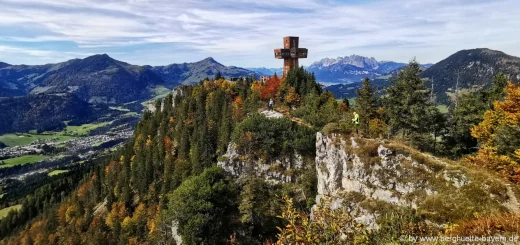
(245, 32)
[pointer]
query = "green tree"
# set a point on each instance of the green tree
(204, 207)
(366, 104)
(467, 114)
(257, 212)
(406, 105)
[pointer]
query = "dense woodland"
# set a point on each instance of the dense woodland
(167, 174)
(42, 112)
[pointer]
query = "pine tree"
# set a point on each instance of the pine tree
(407, 102)
(366, 104)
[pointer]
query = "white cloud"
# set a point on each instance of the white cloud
(244, 32)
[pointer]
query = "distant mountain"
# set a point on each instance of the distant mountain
(190, 73)
(474, 68)
(267, 71)
(351, 69)
(100, 78)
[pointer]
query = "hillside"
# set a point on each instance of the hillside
(100, 78)
(44, 112)
(190, 73)
(473, 68)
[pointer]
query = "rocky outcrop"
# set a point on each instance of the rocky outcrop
(372, 178)
(280, 169)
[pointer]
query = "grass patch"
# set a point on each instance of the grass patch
(98, 143)
(367, 152)
(159, 92)
(83, 129)
(56, 172)
(26, 139)
(5, 211)
(22, 160)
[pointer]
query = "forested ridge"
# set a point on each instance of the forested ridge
(166, 176)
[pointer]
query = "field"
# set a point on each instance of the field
(159, 92)
(5, 211)
(22, 160)
(56, 172)
(83, 129)
(25, 139)
(70, 132)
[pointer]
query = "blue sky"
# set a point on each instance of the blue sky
(245, 32)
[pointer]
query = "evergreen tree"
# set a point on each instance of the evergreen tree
(218, 76)
(204, 207)
(366, 104)
(406, 105)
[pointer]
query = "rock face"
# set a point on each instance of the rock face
(371, 178)
(282, 169)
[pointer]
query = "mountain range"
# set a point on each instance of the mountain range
(475, 68)
(102, 79)
(352, 68)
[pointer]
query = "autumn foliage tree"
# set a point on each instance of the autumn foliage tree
(496, 152)
(325, 226)
(270, 88)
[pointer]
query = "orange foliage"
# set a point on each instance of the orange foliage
(85, 188)
(270, 88)
(292, 98)
(504, 113)
(117, 214)
(238, 111)
(167, 144)
(493, 224)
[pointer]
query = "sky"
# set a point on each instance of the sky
(245, 32)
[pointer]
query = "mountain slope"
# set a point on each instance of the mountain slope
(100, 78)
(474, 68)
(41, 112)
(190, 73)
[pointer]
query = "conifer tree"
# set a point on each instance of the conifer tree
(366, 104)
(407, 102)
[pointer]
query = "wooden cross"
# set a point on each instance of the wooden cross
(290, 53)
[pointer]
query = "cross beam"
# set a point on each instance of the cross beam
(290, 53)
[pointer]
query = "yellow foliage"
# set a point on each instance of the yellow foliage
(292, 97)
(504, 113)
(334, 226)
(149, 141)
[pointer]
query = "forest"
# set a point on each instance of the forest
(166, 178)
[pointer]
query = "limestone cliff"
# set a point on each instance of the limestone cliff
(280, 169)
(373, 178)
